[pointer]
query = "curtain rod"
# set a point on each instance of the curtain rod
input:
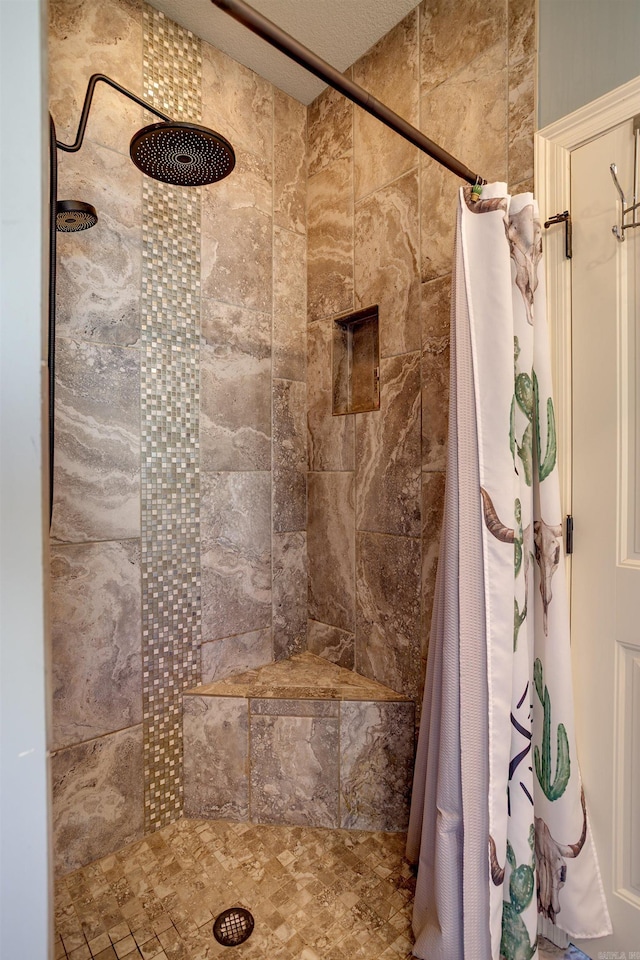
(288, 45)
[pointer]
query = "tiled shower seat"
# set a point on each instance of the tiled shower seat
(301, 741)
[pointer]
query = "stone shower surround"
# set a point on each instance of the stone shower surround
(300, 742)
(379, 231)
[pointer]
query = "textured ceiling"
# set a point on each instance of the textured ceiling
(339, 31)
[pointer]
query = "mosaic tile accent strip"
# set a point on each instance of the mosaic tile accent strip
(170, 488)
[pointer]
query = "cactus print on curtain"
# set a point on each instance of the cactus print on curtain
(541, 856)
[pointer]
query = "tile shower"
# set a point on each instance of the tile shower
(211, 515)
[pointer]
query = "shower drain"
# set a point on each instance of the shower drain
(233, 926)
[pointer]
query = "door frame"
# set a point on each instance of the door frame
(553, 146)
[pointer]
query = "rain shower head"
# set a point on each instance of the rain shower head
(183, 154)
(74, 215)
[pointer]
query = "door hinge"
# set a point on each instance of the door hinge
(568, 535)
(568, 231)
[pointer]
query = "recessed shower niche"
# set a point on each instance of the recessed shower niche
(356, 362)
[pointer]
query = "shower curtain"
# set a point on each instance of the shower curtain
(498, 823)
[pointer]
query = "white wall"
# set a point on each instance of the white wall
(587, 48)
(24, 875)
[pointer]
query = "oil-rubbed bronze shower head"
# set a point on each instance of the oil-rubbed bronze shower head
(74, 215)
(183, 154)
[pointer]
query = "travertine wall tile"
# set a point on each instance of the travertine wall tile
(331, 440)
(294, 770)
(388, 452)
(96, 660)
(235, 388)
(294, 708)
(235, 553)
(433, 491)
(435, 402)
(389, 71)
(330, 240)
(289, 456)
(289, 305)
(237, 235)
(333, 644)
(247, 651)
(376, 765)
(522, 30)
(97, 409)
(237, 103)
(467, 115)
(330, 127)
(386, 262)
(290, 585)
(452, 36)
(289, 163)
(97, 798)
(99, 270)
(330, 544)
(216, 757)
(388, 611)
(435, 308)
(521, 120)
(85, 38)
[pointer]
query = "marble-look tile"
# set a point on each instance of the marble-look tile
(333, 644)
(235, 553)
(237, 102)
(289, 162)
(527, 186)
(478, 137)
(388, 611)
(97, 443)
(289, 305)
(435, 402)
(302, 676)
(331, 440)
(435, 308)
(290, 585)
(376, 765)
(294, 770)
(388, 452)
(330, 240)
(289, 456)
(521, 120)
(84, 38)
(99, 270)
(329, 127)
(331, 547)
(237, 235)
(96, 662)
(97, 798)
(387, 245)
(388, 71)
(235, 388)
(433, 491)
(216, 757)
(522, 30)
(294, 708)
(247, 651)
(453, 35)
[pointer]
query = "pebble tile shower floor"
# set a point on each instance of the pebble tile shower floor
(315, 895)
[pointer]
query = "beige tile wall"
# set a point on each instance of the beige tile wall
(380, 230)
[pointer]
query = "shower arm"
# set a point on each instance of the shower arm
(292, 48)
(84, 116)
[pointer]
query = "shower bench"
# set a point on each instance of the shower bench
(299, 742)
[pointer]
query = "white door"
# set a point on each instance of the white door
(605, 593)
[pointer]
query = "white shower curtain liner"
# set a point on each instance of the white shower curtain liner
(498, 824)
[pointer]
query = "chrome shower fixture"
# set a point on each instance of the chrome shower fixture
(182, 154)
(74, 215)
